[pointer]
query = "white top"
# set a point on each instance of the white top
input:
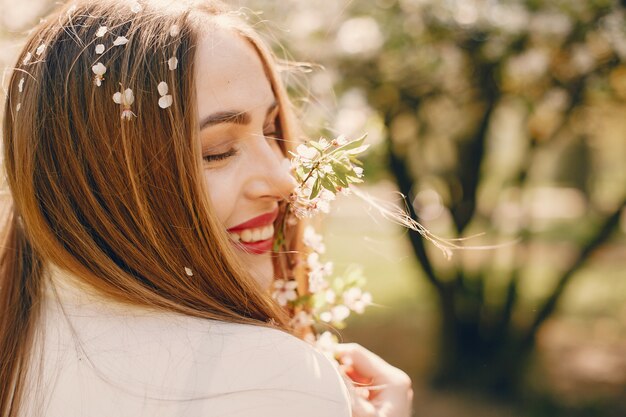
(103, 359)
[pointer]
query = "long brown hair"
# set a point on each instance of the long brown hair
(122, 204)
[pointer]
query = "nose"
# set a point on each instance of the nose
(270, 175)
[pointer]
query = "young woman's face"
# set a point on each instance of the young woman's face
(243, 165)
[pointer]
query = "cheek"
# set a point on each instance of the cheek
(222, 192)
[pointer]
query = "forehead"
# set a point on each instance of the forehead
(229, 74)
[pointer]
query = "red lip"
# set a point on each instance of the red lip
(257, 248)
(259, 221)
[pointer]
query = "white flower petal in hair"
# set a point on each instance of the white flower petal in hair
(172, 63)
(163, 88)
(135, 7)
(99, 48)
(40, 49)
(20, 86)
(18, 107)
(99, 69)
(120, 40)
(174, 30)
(125, 99)
(188, 271)
(27, 58)
(101, 31)
(165, 101)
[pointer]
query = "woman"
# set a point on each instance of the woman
(144, 145)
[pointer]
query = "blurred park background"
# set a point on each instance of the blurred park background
(503, 121)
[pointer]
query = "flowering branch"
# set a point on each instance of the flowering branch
(322, 169)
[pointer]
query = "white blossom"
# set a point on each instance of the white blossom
(135, 7)
(336, 314)
(120, 40)
(102, 30)
(306, 152)
(126, 99)
(355, 299)
(174, 30)
(18, 107)
(301, 319)
(20, 85)
(188, 271)
(341, 140)
(330, 296)
(172, 63)
(313, 240)
(99, 48)
(27, 58)
(40, 49)
(326, 343)
(318, 272)
(99, 69)
(165, 101)
(163, 88)
(285, 291)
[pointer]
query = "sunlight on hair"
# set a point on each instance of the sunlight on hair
(394, 213)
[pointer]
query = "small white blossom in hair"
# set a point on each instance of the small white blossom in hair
(172, 63)
(120, 40)
(135, 7)
(18, 107)
(20, 86)
(166, 100)
(27, 58)
(99, 69)
(163, 88)
(101, 31)
(125, 99)
(174, 30)
(40, 49)
(188, 271)
(99, 48)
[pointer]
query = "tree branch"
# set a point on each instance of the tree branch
(601, 236)
(398, 168)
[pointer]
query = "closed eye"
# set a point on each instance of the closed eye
(220, 156)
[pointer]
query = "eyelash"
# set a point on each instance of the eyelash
(232, 152)
(221, 156)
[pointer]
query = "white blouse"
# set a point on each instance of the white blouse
(96, 358)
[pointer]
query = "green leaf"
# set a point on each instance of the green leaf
(350, 145)
(328, 184)
(315, 189)
(315, 145)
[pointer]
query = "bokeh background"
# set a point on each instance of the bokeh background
(501, 121)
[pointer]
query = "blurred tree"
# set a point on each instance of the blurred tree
(450, 79)
(501, 117)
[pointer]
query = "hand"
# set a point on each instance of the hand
(388, 392)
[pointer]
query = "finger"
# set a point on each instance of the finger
(355, 376)
(363, 408)
(366, 363)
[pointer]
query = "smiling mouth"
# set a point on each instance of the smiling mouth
(253, 235)
(256, 235)
(257, 240)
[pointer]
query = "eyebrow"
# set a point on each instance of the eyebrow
(231, 116)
